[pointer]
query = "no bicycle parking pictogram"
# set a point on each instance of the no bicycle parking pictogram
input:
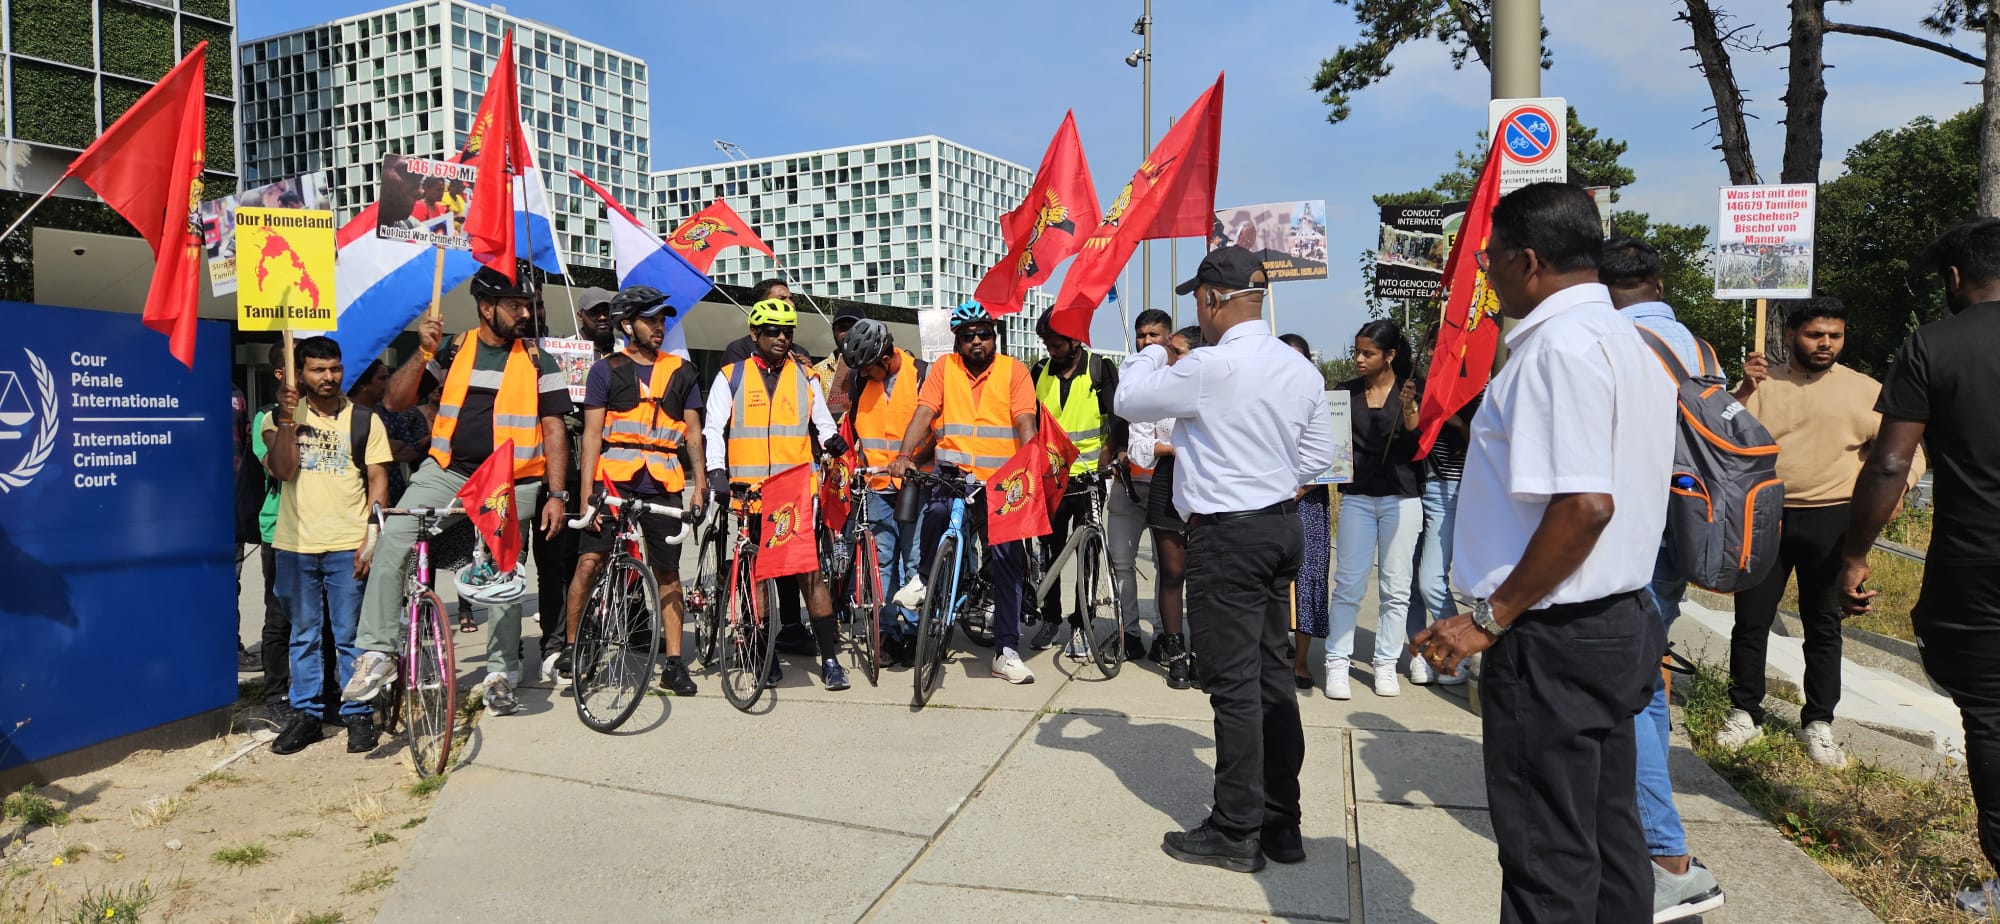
(1528, 134)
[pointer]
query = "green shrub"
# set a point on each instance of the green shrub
(138, 40)
(221, 135)
(219, 76)
(119, 95)
(58, 30)
(54, 105)
(213, 9)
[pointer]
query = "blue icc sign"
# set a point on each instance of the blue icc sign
(117, 582)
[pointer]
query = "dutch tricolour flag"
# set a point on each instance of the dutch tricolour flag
(644, 259)
(383, 285)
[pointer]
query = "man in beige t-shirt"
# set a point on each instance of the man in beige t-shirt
(326, 491)
(1823, 416)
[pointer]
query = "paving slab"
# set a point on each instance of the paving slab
(1768, 879)
(968, 682)
(876, 766)
(475, 862)
(1141, 689)
(1080, 806)
(1425, 864)
(924, 903)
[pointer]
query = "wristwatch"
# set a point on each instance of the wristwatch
(559, 495)
(1482, 616)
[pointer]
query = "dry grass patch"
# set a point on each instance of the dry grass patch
(157, 811)
(1903, 846)
(366, 808)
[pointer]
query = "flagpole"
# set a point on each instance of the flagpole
(1271, 299)
(791, 283)
(569, 287)
(437, 285)
(31, 209)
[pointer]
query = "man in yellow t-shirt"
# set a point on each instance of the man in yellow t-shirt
(330, 457)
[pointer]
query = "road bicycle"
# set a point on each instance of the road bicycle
(424, 697)
(705, 594)
(955, 585)
(855, 573)
(1096, 616)
(619, 633)
(748, 644)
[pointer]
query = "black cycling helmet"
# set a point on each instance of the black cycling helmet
(489, 284)
(867, 342)
(640, 302)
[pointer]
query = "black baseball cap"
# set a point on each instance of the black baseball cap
(1229, 267)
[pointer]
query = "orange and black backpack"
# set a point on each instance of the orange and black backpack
(1726, 503)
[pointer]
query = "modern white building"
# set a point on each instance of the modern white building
(913, 222)
(334, 98)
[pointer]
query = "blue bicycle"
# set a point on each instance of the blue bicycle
(956, 588)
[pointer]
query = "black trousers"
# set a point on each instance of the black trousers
(1070, 511)
(1810, 546)
(1239, 578)
(555, 566)
(1957, 619)
(276, 642)
(1559, 691)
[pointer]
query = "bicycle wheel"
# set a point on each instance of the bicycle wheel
(617, 645)
(703, 602)
(934, 622)
(429, 686)
(864, 629)
(1097, 608)
(748, 648)
(975, 614)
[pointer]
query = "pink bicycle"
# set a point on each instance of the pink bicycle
(424, 698)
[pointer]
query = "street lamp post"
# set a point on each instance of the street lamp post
(1142, 58)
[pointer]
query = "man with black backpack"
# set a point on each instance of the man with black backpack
(1682, 886)
(1076, 386)
(330, 455)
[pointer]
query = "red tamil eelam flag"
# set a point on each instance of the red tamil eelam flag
(1060, 453)
(1047, 228)
(1017, 504)
(834, 504)
(1171, 195)
(488, 498)
(147, 166)
(788, 544)
(1471, 330)
(499, 148)
(713, 230)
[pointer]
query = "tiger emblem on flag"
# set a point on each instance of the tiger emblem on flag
(784, 526)
(695, 237)
(1015, 492)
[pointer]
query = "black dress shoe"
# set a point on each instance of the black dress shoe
(1045, 635)
(1206, 846)
(303, 730)
(1284, 844)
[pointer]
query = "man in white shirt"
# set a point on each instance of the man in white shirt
(1559, 515)
(1252, 428)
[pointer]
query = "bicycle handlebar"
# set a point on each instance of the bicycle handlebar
(619, 503)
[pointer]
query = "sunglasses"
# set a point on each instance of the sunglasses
(977, 333)
(773, 330)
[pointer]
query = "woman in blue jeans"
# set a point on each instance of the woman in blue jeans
(1380, 511)
(1431, 601)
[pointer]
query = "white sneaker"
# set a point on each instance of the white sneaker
(1737, 730)
(1452, 680)
(1820, 746)
(1338, 684)
(550, 674)
(1385, 680)
(1007, 666)
(911, 595)
(498, 692)
(1420, 672)
(372, 672)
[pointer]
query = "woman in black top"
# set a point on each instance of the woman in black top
(1381, 512)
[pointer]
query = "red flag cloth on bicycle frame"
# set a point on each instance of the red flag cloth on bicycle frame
(787, 543)
(488, 497)
(1172, 194)
(147, 166)
(1060, 454)
(833, 503)
(1463, 360)
(1017, 504)
(1048, 226)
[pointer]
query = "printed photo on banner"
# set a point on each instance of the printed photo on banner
(1410, 255)
(424, 200)
(1342, 470)
(218, 221)
(575, 357)
(1764, 242)
(284, 269)
(1290, 237)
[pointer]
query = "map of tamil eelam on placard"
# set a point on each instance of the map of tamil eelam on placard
(284, 269)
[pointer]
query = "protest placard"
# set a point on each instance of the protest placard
(1764, 242)
(1410, 255)
(424, 200)
(218, 221)
(1290, 237)
(284, 269)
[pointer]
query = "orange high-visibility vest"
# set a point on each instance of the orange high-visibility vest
(767, 429)
(516, 406)
(641, 436)
(978, 438)
(881, 418)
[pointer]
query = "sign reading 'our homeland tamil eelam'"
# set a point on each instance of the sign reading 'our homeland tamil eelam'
(284, 269)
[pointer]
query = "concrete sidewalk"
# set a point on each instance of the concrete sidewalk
(1043, 802)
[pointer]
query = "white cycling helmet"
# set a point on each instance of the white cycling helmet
(484, 585)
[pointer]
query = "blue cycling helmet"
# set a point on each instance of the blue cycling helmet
(969, 312)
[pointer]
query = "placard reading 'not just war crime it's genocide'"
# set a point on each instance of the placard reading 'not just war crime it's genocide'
(284, 269)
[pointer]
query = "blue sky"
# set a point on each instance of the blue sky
(788, 76)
